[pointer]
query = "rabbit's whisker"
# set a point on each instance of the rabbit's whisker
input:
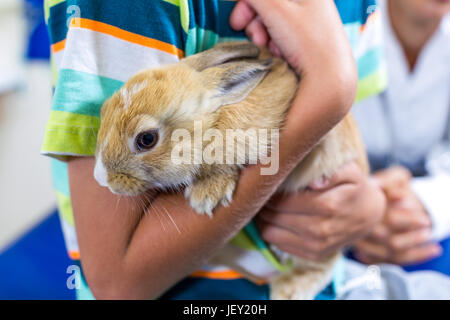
(171, 219)
(158, 217)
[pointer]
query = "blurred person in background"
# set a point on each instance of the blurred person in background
(403, 128)
(10, 64)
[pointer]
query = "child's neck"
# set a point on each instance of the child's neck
(412, 32)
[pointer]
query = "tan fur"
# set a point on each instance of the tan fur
(172, 97)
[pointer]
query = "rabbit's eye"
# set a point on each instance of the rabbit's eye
(146, 140)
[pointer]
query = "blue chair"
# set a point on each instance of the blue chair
(441, 264)
(34, 267)
(38, 47)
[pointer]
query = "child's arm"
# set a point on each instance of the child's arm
(127, 253)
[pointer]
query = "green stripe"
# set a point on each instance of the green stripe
(254, 235)
(231, 39)
(65, 208)
(184, 12)
(275, 263)
(54, 71)
(184, 15)
(252, 231)
(249, 239)
(174, 2)
(70, 134)
(199, 40)
(243, 241)
(372, 85)
(83, 93)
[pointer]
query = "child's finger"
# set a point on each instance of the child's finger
(241, 16)
(320, 184)
(393, 178)
(403, 220)
(257, 32)
(274, 49)
(379, 233)
(376, 251)
(348, 173)
(406, 240)
(418, 254)
(366, 258)
(270, 11)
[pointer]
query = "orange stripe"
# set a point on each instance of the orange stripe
(58, 46)
(125, 35)
(222, 275)
(374, 15)
(74, 255)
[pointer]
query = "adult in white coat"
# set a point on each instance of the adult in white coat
(409, 125)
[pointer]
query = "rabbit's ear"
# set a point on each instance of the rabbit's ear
(232, 82)
(222, 53)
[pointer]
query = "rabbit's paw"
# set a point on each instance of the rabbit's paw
(288, 288)
(206, 194)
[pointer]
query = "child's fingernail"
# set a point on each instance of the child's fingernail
(320, 183)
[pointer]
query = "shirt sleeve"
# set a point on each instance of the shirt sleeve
(96, 46)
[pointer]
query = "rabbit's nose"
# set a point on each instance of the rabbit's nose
(100, 173)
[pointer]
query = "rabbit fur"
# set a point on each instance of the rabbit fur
(234, 86)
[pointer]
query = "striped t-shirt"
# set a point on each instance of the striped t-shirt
(97, 45)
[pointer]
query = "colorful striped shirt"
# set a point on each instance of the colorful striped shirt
(97, 45)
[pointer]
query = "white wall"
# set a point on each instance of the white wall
(26, 194)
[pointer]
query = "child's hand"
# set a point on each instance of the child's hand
(316, 224)
(307, 33)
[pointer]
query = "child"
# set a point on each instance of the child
(97, 46)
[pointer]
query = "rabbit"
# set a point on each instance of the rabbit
(234, 85)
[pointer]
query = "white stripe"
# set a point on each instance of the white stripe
(98, 53)
(370, 38)
(57, 58)
(70, 236)
(247, 262)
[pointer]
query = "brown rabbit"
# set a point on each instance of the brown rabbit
(230, 87)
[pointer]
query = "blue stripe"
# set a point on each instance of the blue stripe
(213, 15)
(355, 10)
(82, 93)
(210, 15)
(136, 16)
(57, 23)
(60, 176)
(369, 63)
(211, 289)
(253, 233)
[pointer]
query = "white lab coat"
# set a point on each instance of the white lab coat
(412, 117)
